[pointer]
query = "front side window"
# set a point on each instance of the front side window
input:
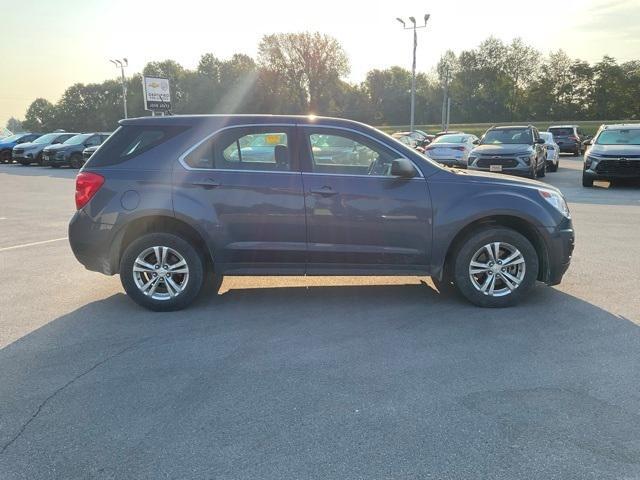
(347, 154)
(259, 149)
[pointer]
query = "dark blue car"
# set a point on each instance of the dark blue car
(7, 144)
(169, 202)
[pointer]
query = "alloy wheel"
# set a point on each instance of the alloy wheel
(497, 269)
(160, 273)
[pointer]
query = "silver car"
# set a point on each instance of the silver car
(28, 153)
(451, 150)
(553, 151)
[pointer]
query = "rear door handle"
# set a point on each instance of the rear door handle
(325, 191)
(207, 183)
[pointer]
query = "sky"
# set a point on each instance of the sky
(47, 45)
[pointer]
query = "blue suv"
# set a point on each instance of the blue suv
(7, 144)
(174, 203)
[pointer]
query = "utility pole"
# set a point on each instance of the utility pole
(121, 64)
(413, 68)
(445, 99)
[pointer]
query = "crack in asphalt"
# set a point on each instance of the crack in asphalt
(60, 389)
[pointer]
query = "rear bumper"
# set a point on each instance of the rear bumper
(93, 243)
(560, 242)
(569, 147)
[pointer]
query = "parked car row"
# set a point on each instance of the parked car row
(54, 149)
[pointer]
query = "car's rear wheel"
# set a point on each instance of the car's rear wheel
(495, 267)
(553, 167)
(162, 272)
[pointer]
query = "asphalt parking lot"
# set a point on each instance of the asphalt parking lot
(297, 378)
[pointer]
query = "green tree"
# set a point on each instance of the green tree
(14, 125)
(308, 65)
(40, 116)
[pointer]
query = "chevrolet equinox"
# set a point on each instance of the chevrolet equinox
(174, 203)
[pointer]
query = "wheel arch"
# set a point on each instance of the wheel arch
(518, 224)
(158, 224)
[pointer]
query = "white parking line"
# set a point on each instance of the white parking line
(32, 244)
(3, 218)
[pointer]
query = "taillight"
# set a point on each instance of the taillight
(87, 184)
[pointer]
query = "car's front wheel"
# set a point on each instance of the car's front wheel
(162, 272)
(495, 267)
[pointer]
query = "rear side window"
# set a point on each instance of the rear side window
(130, 141)
(245, 148)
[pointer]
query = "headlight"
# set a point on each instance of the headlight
(526, 158)
(556, 200)
(591, 160)
(471, 159)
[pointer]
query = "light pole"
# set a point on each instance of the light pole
(122, 63)
(413, 27)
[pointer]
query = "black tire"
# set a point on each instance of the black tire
(194, 262)
(532, 173)
(543, 171)
(587, 181)
(553, 167)
(39, 159)
(5, 157)
(24, 164)
(76, 161)
(473, 244)
(55, 165)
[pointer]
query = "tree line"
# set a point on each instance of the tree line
(301, 73)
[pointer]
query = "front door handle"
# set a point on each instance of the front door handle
(207, 183)
(325, 191)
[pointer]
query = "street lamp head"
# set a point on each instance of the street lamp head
(401, 21)
(426, 18)
(126, 62)
(413, 20)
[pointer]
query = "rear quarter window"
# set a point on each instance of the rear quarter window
(129, 141)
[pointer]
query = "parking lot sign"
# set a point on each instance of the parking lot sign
(157, 94)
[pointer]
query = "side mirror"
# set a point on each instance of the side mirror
(401, 167)
(540, 141)
(476, 141)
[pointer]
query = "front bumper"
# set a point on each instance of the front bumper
(55, 160)
(560, 242)
(93, 244)
(520, 171)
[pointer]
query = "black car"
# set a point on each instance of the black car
(168, 202)
(517, 150)
(70, 152)
(569, 138)
(87, 152)
(613, 154)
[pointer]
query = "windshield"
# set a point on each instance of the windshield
(547, 136)
(619, 137)
(509, 136)
(78, 139)
(12, 138)
(451, 139)
(48, 138)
